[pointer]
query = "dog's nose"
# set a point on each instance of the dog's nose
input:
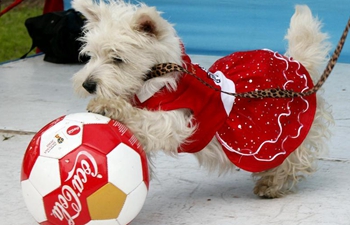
(90, 86)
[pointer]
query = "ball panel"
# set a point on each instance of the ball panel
(33, 149)
(85, 169)
(33, 200)
(61, 139)
(88, 118)
(125, 134)
(104, 222)
(45, 175)
(133, 204)
(66, 206)
(106, 202)
(100, 137)
(129, 139)
(46, 223)
(30, 156)
(124, 168)
(145, 172)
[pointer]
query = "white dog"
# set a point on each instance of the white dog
(183, 110)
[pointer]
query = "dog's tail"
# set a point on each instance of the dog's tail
(306, 43)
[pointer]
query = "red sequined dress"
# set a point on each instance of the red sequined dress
(256, 134)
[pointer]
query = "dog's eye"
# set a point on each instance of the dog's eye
(86, 53)
(117, 59)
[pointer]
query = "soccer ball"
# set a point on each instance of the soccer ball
(84, 168)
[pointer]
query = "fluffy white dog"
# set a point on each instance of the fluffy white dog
(183, 109)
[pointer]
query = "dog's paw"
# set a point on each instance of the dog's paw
(96, 105)
(265, 190)
(117, 108)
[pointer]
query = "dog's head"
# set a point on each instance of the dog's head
(123, 41)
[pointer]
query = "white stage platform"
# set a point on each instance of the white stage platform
(34, 92)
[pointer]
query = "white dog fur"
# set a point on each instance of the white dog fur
(124, 41)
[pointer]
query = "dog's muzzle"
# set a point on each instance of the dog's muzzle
(90, 86)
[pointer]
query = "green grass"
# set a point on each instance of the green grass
(14, 38)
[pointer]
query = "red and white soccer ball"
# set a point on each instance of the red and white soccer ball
(84, 168)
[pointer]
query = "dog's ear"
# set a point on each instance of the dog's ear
(146, 25)
(148, 21)
(88, 8)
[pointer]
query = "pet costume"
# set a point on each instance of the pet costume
(256, 134)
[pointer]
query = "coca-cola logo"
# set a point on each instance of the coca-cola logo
(68, 205)
(73, 130)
